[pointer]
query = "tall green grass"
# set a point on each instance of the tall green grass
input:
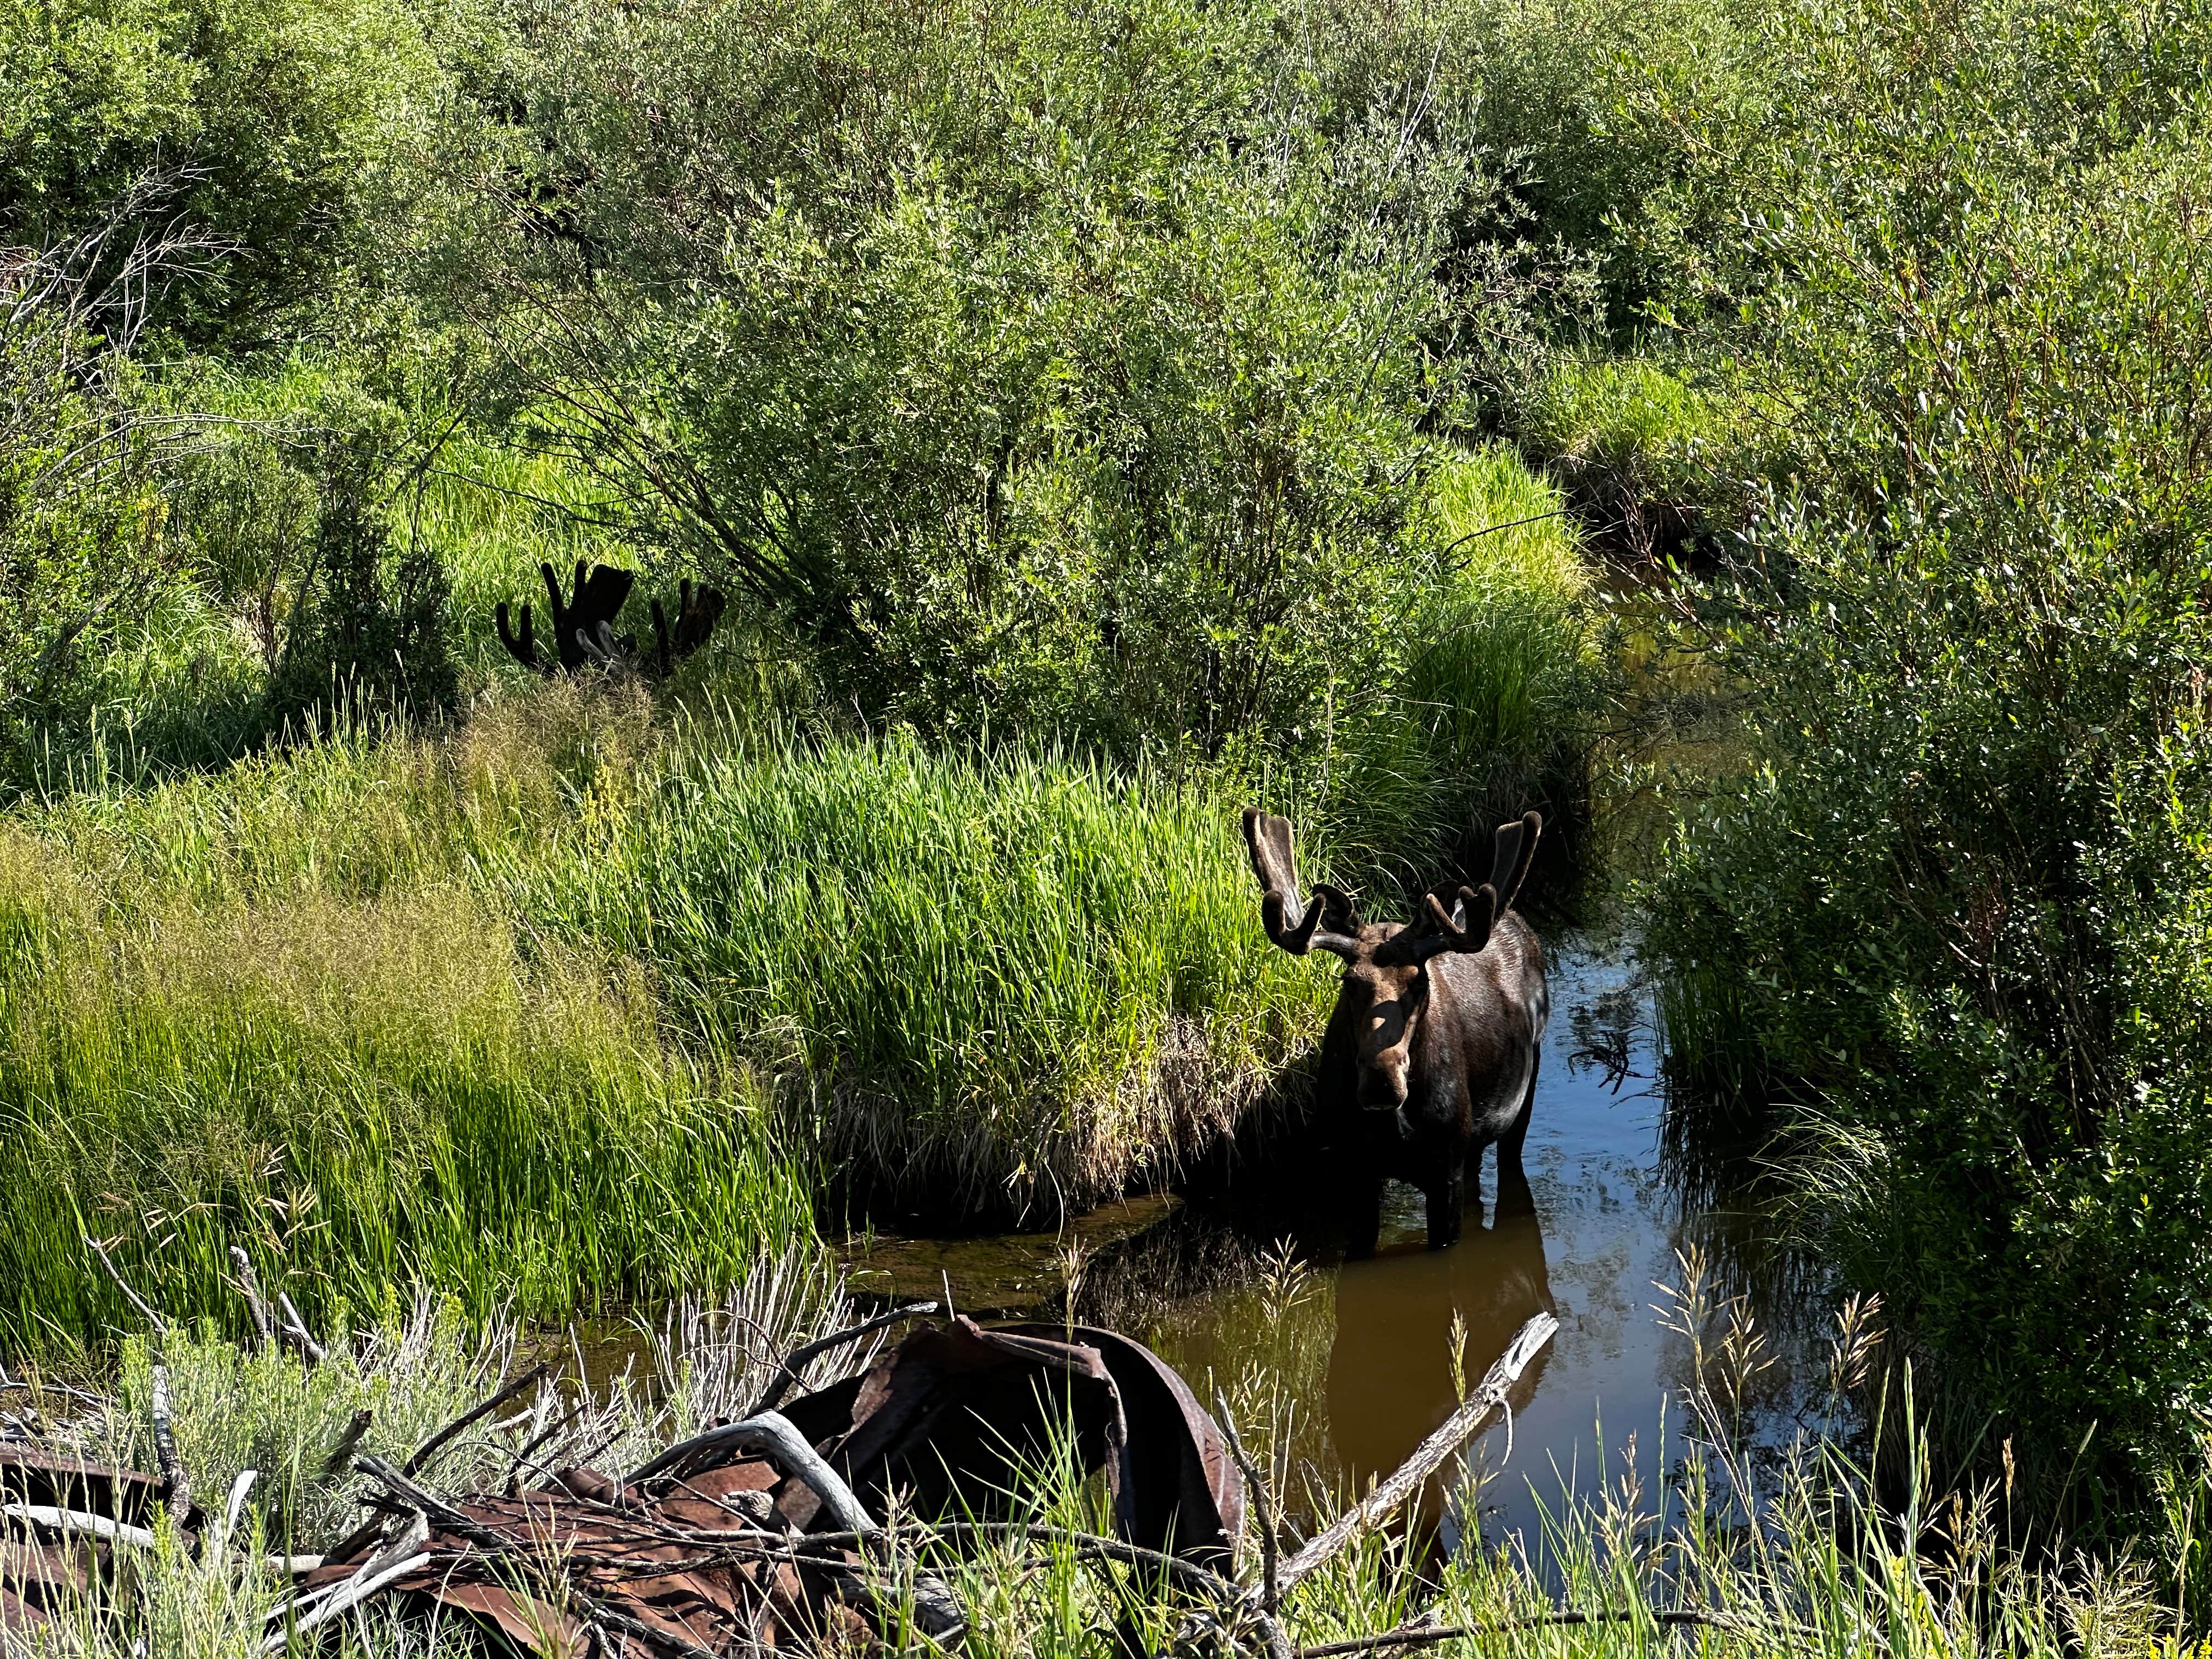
(573, 1003)
(1004, 983)
(277, 1009)
(1493, 703)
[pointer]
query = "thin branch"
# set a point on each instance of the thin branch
(1423, 1636)
(249, 1287)
(1263, 1500)
(296, 1329)
(145, 1308)
(177, 1486)
(430, 1447)
(341, 1454)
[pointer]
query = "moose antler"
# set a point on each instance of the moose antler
(583, 623)
(523, 650)
(1516, 851)
(700, 609)
(1295, 927)
(1467, 925)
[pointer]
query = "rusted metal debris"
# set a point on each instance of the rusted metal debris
(40, 1485)
(759, 1534)
(791, 1528)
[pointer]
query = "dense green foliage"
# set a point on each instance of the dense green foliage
(1953, 907)
(1077, 374)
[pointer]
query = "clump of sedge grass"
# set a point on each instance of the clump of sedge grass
(1008, 982)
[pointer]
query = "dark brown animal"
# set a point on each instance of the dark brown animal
(1431, 1054)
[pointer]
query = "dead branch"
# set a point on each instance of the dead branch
(1423, 1636)
(1262, 1500)
(1429, 1456)
(422, 1453)
(249, 1287)
(296, 1329)
(177, 1486)
(145, 1308)
(341, 1454)
(773, 1434)
(103, 1528)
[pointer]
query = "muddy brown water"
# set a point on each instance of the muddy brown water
(1354, 1358)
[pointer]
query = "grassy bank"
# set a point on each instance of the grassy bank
(566, 1006)
(365, 1084)
(999, 986)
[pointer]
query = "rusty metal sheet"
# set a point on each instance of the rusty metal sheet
(948, 1422)
(34, 1474)
(1176, 1488)
(952, 1418)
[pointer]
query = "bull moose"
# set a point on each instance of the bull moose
(1431, 1054)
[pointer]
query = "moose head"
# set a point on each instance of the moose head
(1387, 988)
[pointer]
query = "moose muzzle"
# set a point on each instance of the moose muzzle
(1386, 1053)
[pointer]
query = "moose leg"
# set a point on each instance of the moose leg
(1447, 1204)
(1509, 1143)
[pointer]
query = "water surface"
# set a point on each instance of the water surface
(1254, 1296)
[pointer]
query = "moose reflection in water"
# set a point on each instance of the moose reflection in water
(1386, 1394)
(1432, 1052)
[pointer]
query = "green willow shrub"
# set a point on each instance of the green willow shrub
(1952, 905)
(294, 137)
(1074, 375)
(367, 626)
(82, 548)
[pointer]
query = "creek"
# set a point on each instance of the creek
(1622, 1186)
